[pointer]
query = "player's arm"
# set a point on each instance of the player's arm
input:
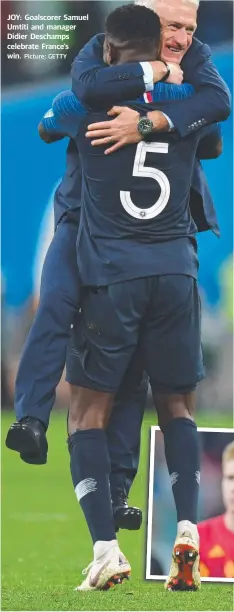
(48, 138)
(99, 86)
(45, 132)
(211, 144)
(63, 119)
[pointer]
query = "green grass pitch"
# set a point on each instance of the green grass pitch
(45, 541)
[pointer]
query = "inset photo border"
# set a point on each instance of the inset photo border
(216, 500)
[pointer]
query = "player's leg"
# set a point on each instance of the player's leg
(90, 469)
(104, 347)
(123, 437)
(123, 433)
(44, 353)
(90, 465)
(173, 342)
(182, 454)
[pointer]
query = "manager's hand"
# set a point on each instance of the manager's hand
(123, 129)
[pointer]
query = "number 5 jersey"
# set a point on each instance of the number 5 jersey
(135, 218)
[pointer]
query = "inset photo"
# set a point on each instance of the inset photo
(216, 507)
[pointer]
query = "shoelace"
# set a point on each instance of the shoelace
(120, 500)
(86, 569)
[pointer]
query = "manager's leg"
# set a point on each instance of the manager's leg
(123, 438)
(44, 353)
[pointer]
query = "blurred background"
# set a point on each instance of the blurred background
(164, 521)
(31, 172)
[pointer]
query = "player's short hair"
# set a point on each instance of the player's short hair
(152, 4)
(228, 453)
(131, 26)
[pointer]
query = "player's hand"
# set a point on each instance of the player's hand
(122, 130)
(176, 74)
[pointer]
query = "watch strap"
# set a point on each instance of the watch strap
(168, 71)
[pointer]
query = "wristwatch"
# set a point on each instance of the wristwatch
(168, 71)
(145, 126)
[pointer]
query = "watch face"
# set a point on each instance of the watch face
(145, 126)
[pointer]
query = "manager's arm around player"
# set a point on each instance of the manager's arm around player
(210, 103)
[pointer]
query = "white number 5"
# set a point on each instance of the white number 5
(146, 172)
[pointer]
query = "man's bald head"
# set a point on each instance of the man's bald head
(153, 3)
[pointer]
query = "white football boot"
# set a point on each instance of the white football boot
(108, 568)
(184, 573)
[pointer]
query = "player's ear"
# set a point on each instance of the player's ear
(111, 53)
(107, 51)
(114, 53)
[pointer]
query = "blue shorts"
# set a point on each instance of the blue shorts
(159, 316)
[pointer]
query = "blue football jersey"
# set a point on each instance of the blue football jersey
(135, 218)
(65, 117)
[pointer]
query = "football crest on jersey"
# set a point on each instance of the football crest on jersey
(49, 114)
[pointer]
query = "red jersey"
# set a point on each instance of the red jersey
(216, 548)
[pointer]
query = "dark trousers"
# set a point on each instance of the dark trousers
(44, 355)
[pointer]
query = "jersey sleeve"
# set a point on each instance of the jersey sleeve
(65, 116)
(168, 91)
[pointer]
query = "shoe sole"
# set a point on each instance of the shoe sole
(132, 520)
(185, 557)
(109, 583)
(114, 580)
(39, 460)
(21, 441)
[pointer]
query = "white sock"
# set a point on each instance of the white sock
(188, 526)
(102, 547)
